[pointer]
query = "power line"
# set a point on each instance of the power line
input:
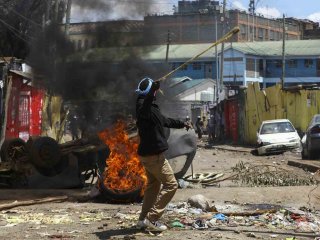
(13, 30)
(22, 16)
(27, 19)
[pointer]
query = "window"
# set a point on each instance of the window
(86, 44)
(250, 64)
(260, 33)
(308, 63)
(278, 64)
(196, 66)
(173, 66)
(243, 29)
(79, 44)
(292, 63)
(271, 35)
(184, 68)
(250, 67)
(235, 59)
(277, 127)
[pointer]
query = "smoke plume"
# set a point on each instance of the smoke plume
(98, 90)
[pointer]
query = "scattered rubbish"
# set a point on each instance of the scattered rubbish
(182, 183)
(250, 234)
(196, 211)
(256, 215)
(220, 217)
(177, 224)
(203, 177)
(200, 224)
(200, 201)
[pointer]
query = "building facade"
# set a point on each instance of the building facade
(262, 62)
(203, 21)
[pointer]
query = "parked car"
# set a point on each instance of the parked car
(277, 136)
(311, 139)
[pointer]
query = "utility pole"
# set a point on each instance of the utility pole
(68, 16)
(168, 45)
(222, 45)
(252, 10)
(283, 51)
(217, 58)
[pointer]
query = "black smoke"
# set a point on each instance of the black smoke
(97, 91)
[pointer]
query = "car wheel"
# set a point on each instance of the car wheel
(310, 153)
(12, 149)
(303, 153)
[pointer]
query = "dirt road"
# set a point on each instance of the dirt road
(75, 220)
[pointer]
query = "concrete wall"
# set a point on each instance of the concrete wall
(194, 94)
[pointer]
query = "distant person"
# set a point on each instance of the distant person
(211, 128)
(188, 120)
(199, 127)
(74, 127)
(205, 124)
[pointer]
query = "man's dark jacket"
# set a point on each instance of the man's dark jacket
(151, 123)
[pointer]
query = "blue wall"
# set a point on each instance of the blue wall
(195, 74)
(300, 71)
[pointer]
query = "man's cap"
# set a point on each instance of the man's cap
(147, 89)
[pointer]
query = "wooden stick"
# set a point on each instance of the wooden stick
(32, 202)
(302, 234)
(250, 213)
(234, 31)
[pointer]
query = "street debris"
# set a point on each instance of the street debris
(268, 175)
(200, 201)
(32, 202)
(274, 219)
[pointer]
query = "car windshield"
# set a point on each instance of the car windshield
(277, 127)
(315, 120)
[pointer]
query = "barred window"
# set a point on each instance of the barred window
(196, 66)
(292, 63)
(308, 63)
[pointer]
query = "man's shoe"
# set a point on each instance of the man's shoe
(141, 225)
(157, 226)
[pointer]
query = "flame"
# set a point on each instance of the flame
(124, 171)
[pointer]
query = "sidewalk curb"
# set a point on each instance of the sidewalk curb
(233, 150)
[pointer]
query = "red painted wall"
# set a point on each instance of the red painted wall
(24, 110)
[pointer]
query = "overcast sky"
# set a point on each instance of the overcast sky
(307, 9)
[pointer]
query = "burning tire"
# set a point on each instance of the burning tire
(114, 196)
(45, 155)
(12, 149)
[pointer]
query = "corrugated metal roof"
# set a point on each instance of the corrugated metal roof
(184, 86)
(25, 75)
(274, 48)
(184, 52)
(270, 48)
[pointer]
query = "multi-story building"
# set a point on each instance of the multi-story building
(246, 62)
(308, 29)
(262, 62)
(203, 21)
(87, 35)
